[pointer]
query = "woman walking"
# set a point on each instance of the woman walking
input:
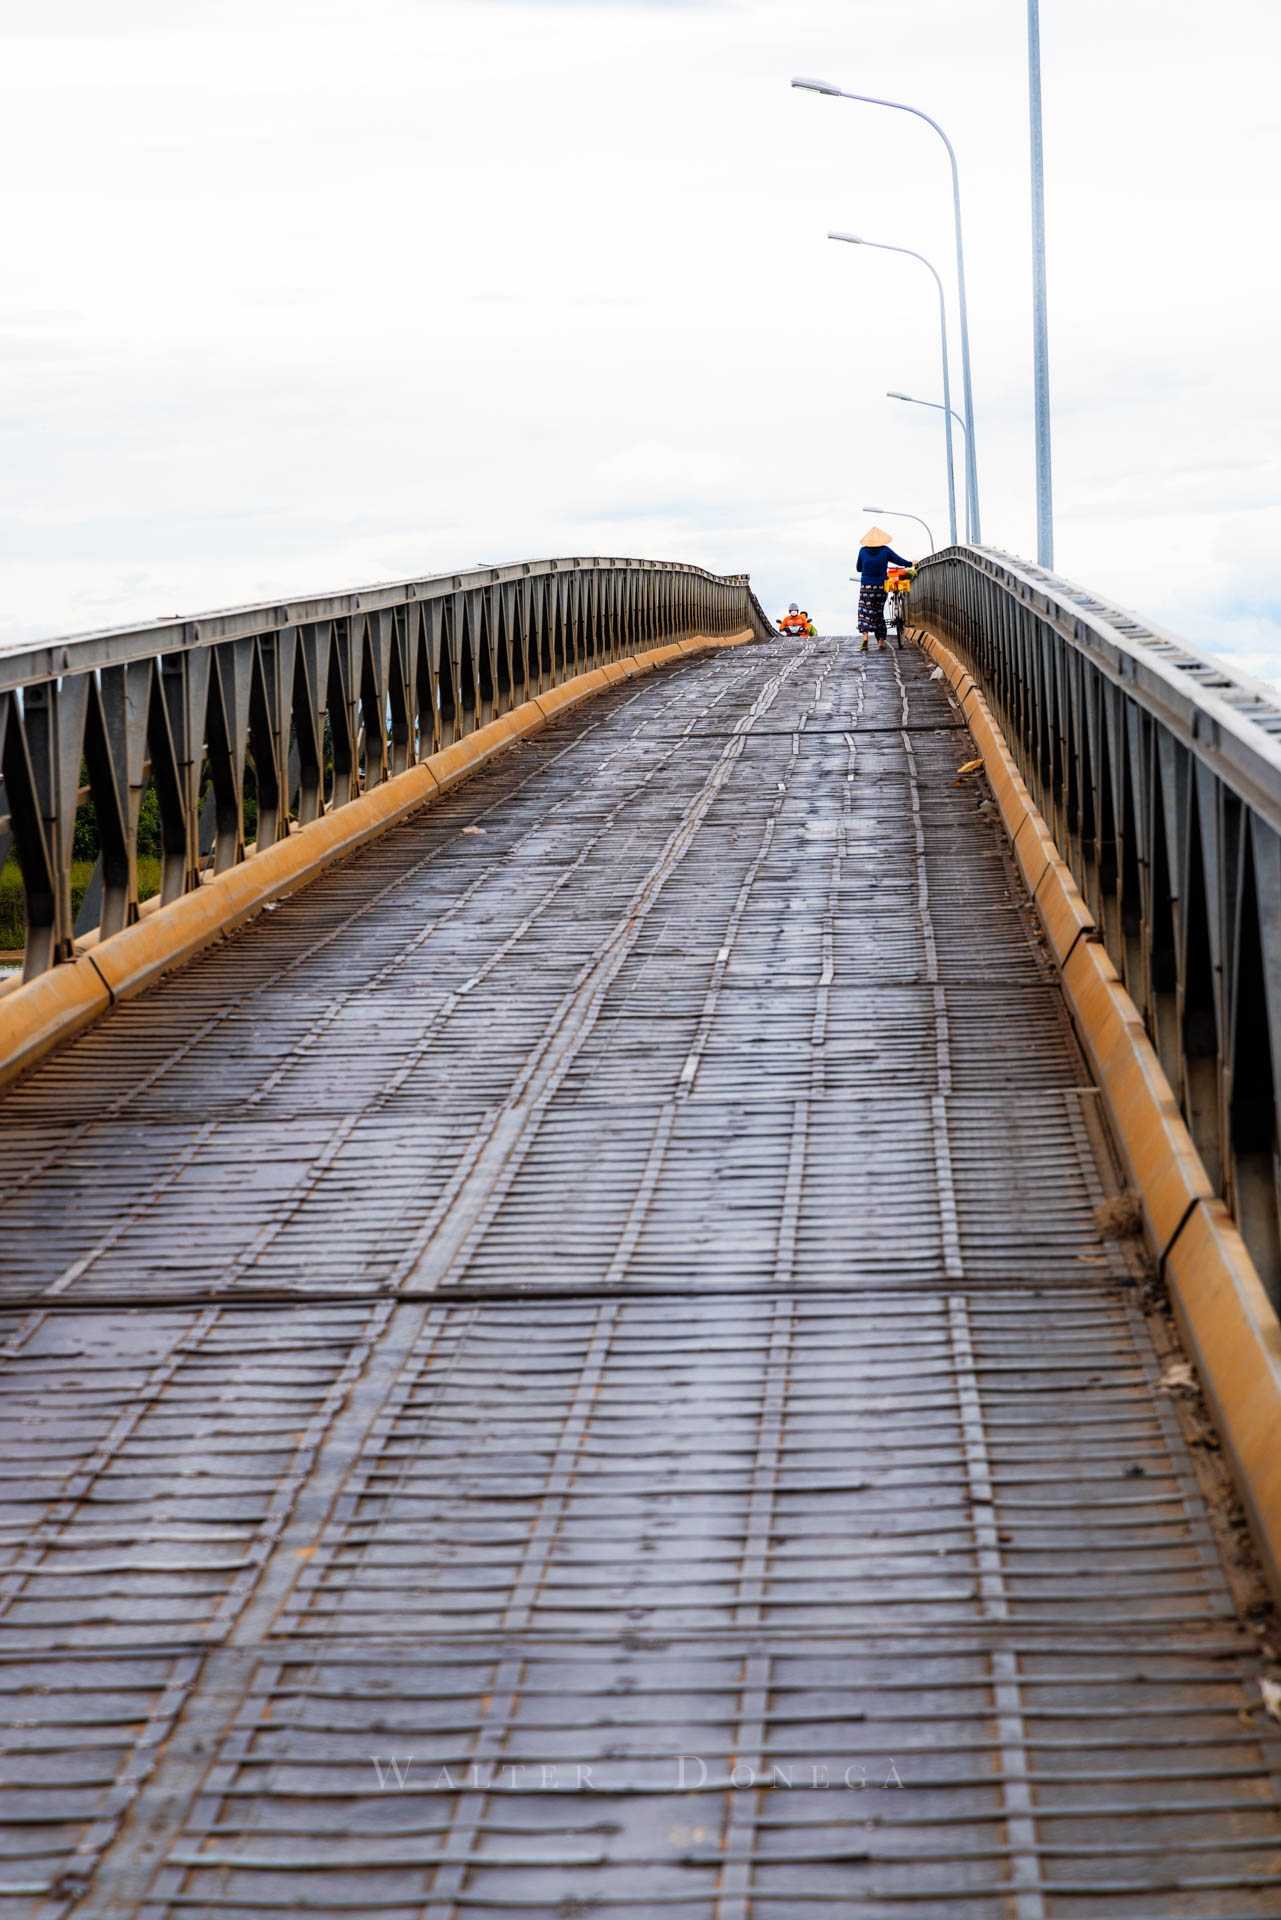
(875, 558)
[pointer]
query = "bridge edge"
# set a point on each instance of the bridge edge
(41, 1014)
(1226, 1319)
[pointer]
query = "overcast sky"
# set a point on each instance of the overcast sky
(299, 296)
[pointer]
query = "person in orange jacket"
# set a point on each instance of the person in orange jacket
(797, 623)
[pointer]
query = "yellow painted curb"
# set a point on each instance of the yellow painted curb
(1067, 920)
(570, 692)
(1229, 1325)
(1164, 1165)
(454, 763)
(1234, 1339)
(41, 1013)
(130, 961)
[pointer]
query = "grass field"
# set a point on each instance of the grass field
(13, 923)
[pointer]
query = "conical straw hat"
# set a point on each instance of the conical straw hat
(876, 537)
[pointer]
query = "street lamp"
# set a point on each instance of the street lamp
(897, 513)
(1040, 324)
(883, 246)
(938, 407)
(901, 106)
(914, 400)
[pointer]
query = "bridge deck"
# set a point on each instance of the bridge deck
(604, 1290)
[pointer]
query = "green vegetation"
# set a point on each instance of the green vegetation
(13, 922)
(85, 844)
(84, 852)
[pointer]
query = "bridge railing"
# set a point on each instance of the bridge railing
(1160, 775)
(204, 740)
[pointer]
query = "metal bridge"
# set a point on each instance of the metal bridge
(606, 1357)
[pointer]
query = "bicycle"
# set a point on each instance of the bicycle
(898, 589)
(898, 586)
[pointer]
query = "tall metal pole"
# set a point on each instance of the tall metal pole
(883, 246)
(901, 106)
(971, 463)
(1040, 323)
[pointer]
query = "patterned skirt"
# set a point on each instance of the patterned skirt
(871, 611)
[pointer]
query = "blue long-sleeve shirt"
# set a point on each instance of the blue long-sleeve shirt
(874, 563)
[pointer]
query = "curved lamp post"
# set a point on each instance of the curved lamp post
(897, 513)
(901, 106)
(938, 407)
(883, 246)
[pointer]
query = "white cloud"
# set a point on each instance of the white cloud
(311, 293)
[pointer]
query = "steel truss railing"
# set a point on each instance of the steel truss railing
(311, 702)
(1160, 775)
